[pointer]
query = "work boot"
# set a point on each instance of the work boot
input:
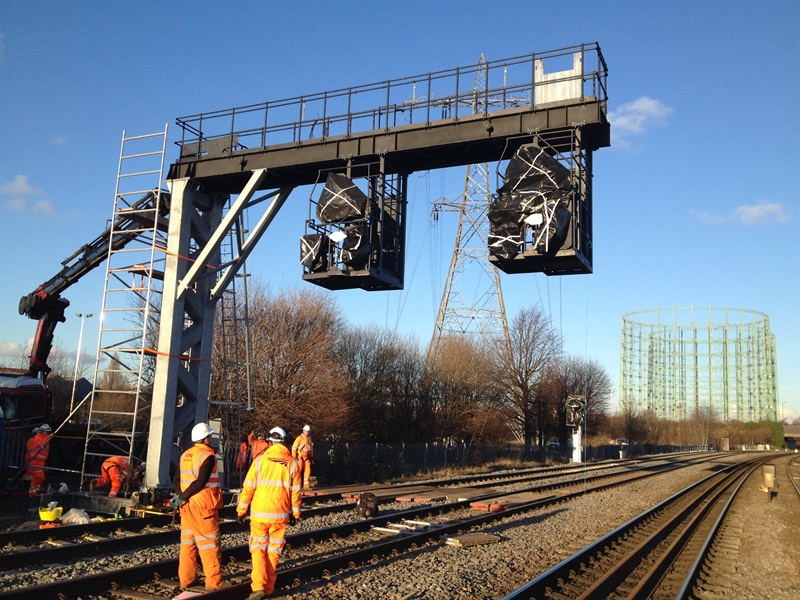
(224, 584)
(257, 595)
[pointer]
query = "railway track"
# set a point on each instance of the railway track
(664, 552)
(44, 546)
(318, 553)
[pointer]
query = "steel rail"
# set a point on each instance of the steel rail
(791, 477)
(140, 539)
(689, 522)
(58, 553)
(694, 570)
(315, 569)
(351, 559)
(549, 581)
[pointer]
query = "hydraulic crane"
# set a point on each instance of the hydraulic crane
(45, 303)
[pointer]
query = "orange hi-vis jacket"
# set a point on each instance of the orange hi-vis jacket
(37, 449)
(120, 462)
(303, 447)
(273, 486)
(107, 474)
(210, 497)
(241, 458)
(257, 447)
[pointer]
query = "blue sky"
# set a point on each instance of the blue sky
(695, 204)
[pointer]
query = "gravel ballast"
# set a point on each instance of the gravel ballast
(529, 544)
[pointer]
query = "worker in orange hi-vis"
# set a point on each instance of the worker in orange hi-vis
(271, 491)
(30, 453)
(37, 449)
(114, 472)
(258, 444)
(303, 451)
(241, 457)
(199, 498)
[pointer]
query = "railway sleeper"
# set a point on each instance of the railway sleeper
(582, 579)
(126, 533)
(167, 583)
(714, 589)
(570, 587)
(728, 545)
(136, 595)
(724, 556)
(558, 595)
(717, 581)
(156, 529)
(726, 567)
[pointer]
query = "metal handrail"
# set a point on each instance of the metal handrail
(510, 82)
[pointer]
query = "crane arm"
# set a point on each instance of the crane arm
(45, 303)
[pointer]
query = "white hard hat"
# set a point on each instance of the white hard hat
(201, 431)
(306, 427)
(276, 434)
(45, 427)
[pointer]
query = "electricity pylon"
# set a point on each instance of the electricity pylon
(472, 301)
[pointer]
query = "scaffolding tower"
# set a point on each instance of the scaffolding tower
(679, 362)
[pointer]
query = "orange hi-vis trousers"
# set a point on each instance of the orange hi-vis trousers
(304, 465)
(266, 546)
(36, 474)
(200, 532)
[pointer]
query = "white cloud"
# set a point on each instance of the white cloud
(12, 349)
(24, 198)
(44, 208)
(635, 118)
(20, 186)
(747, 214)
(19, 205)
(768, 212)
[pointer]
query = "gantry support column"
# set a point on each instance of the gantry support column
(186, 330)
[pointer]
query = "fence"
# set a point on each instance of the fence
(342, 464)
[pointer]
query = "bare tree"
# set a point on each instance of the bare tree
(459, 389)
(382, 370)
(701, 424)
(295, 376)
(519, 373)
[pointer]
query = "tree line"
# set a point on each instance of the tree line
(365, 384)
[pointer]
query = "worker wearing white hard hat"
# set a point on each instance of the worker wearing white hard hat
(303, 452)
(199, 498)
(37, 449)
(272, 486)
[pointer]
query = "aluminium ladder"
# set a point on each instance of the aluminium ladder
(125, 366)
